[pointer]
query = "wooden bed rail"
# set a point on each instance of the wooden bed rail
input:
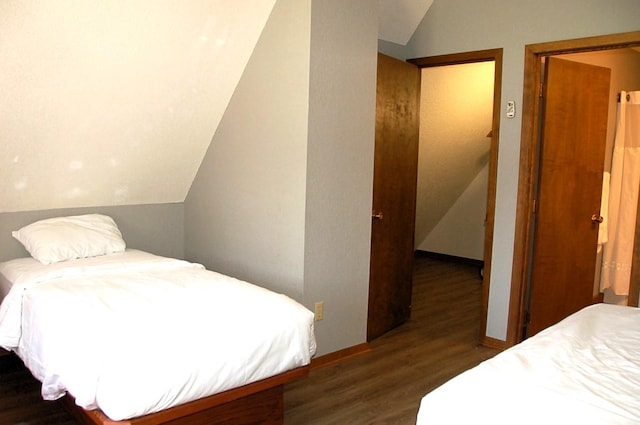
(259, 402)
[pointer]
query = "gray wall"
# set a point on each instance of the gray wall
(283, 196)
(153, 228)
(392, 49)
(245, 209)
(452, 26)
(340, 167)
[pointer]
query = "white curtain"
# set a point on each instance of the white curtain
(623, 197)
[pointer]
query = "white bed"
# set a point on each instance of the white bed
(131, 333)
(583, 370)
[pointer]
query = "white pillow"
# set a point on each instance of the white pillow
(67, 238)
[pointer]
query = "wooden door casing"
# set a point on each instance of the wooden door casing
(528, 161)
(573, 139)
(394, 195)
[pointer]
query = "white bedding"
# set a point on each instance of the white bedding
(583, 370)
(132, 333)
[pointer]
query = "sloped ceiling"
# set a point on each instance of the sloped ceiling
(112, 102)
(115, 103)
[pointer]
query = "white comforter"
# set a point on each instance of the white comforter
(584, 370)
(133, 333)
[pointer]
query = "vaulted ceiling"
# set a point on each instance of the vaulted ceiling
(107, 103)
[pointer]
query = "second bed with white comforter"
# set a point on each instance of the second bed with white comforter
(582, 370)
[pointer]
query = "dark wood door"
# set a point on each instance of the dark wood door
(394, 195)
(573, 139)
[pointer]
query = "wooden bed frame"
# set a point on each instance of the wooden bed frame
(259, 402)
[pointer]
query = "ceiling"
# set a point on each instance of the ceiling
(107, 103)
(115, 103)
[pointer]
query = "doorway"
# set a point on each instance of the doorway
(568, 191)
(529, 158)
(389, 281)
(624, 64)
(490, 137)
(456, 113)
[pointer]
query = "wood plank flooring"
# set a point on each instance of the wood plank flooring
(383, 386)
(20, 399)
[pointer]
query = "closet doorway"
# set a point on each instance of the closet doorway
(479, 170)
(392, 246)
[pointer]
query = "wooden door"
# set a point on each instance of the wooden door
(394, 195)
(573, 139)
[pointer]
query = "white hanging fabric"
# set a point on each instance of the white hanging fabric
(623, 197)
(603, 232)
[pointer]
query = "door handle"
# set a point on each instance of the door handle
(377, 214)
(596, 218)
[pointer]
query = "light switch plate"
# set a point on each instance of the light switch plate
(511, 108)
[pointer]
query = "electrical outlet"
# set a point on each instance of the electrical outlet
(319, 310)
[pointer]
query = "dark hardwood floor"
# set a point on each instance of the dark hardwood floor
(20, 399)
(383, 386)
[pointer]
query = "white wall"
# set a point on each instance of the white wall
(460, 232)
(452, 26)
(456, 111)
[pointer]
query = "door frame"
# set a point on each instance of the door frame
(529, 157)
(494, 55)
